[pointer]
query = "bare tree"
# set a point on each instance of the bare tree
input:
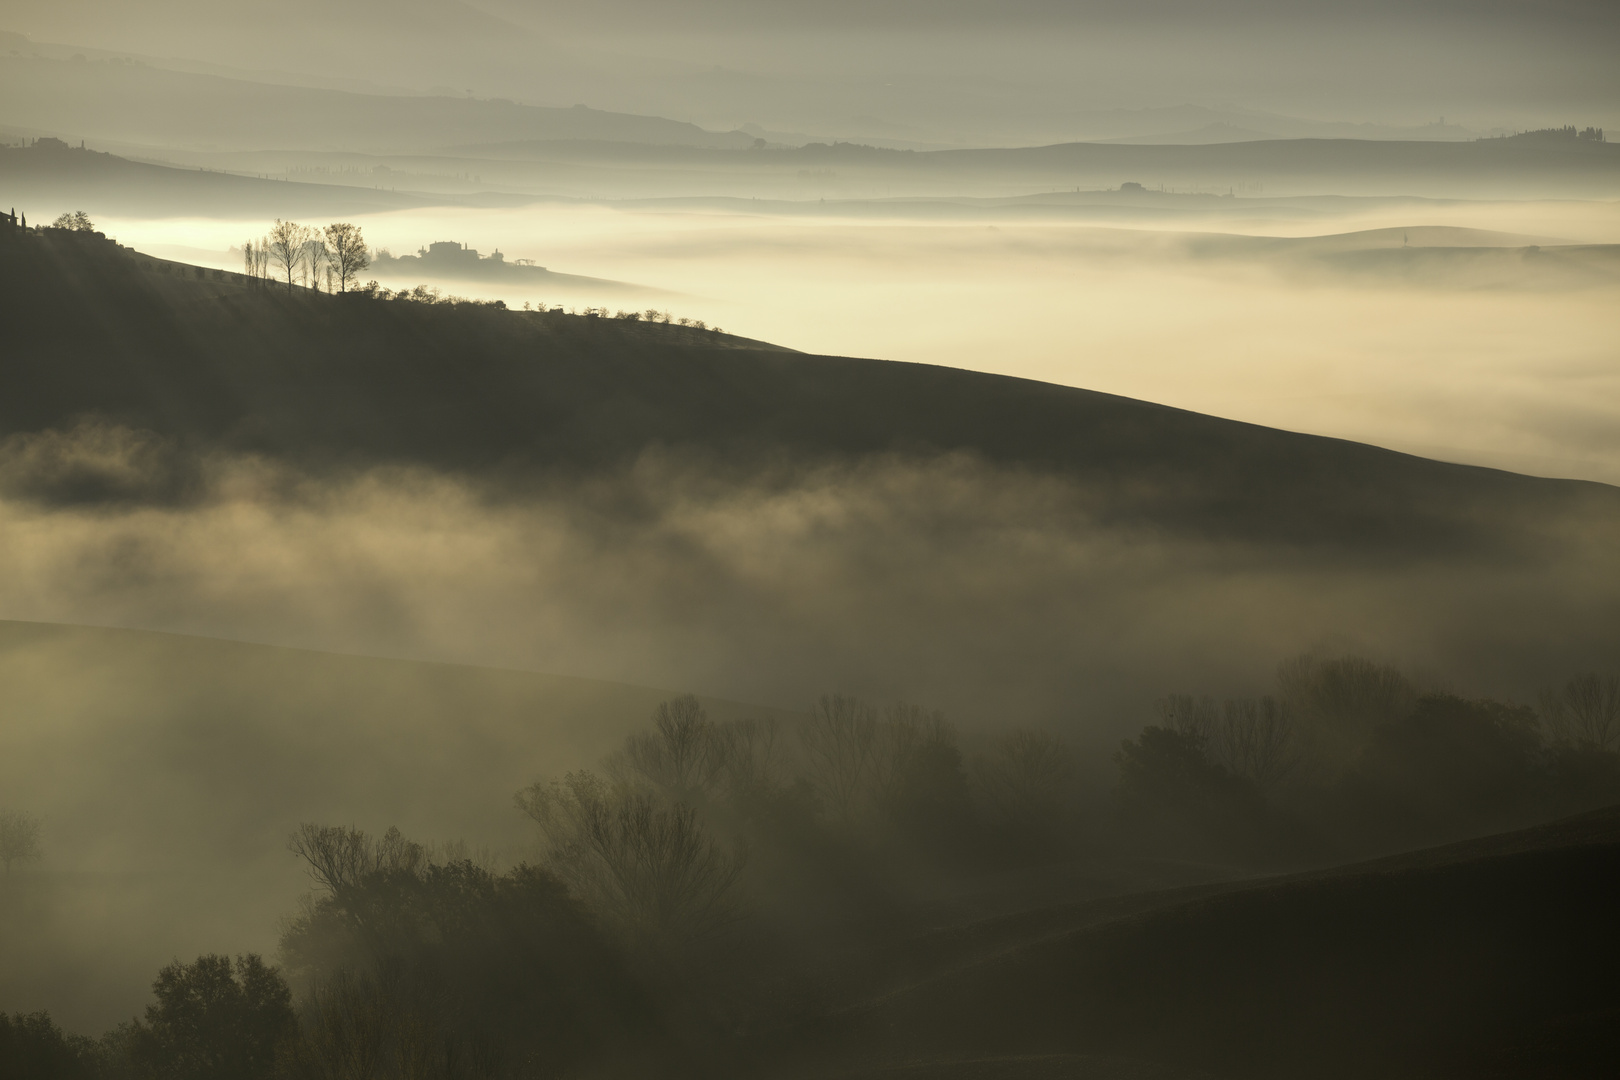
(349, 255)
(904, 734)
(287, 244)
(681, 756)
(343, 1034)
(1585, 712)
(1339, 702)
(256, 260)
(317, 259)
(1255, 739)
(20, 836)
(652, 869)
(838, 741)
(340, 858)
(1027, 777)
(753, 754)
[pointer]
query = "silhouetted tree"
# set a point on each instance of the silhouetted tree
(349, 255)
(20, 838)
(1175, 798)
(343, 1031)
(317, 259)
(1254, 738)
(918, 781)
(651, 869)
(1026, 781)
(1338, 703)
(1452, 767)
(339, 858)
(32, 1047)
(899, 739)
(753, 754)
(255, 260)
(77, 221)
(1585, 712)
(682, 757)
(426, 969)
(288, 244)
(214, 1020)
(838, 741)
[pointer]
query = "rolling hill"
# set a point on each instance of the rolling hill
(60, 175)
(896, 500)
(1483, 959)
(1486, 168)
(493, 392)
(1438, 963)
(134, 103)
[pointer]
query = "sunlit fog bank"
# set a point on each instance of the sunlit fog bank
(1000, 591)
(1491, 348)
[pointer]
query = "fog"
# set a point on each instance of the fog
(557, 658)
(1478, 353)
(174, 772)
(946, 581)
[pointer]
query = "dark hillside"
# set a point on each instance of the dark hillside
(203, 358)
(1490, 959)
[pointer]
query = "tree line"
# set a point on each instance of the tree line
(682, 894)
(307, 255)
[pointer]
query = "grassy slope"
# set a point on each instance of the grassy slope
(1488, 958)
(323, 380)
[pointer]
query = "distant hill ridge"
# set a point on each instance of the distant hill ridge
(137, 103)
(201, 358)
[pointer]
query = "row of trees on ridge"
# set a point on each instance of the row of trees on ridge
(305, 254)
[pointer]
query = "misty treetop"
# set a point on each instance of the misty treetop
(212, 1019)
(1353, 757)
(674, 887)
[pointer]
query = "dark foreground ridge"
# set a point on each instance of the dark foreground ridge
(1490, 958)
(209, 361)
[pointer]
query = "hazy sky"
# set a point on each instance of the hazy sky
(966, 71)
